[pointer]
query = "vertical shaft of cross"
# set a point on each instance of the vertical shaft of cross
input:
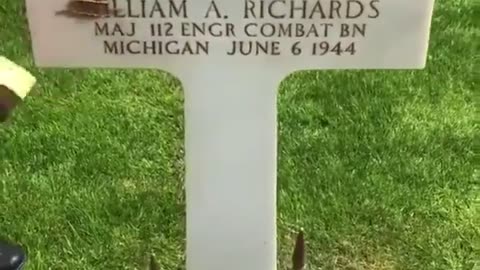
(231, 170)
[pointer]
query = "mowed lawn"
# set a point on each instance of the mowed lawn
(377, 166)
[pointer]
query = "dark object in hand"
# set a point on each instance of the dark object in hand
(153, 264)
(8, 101)
(298, 257)
(11, 257)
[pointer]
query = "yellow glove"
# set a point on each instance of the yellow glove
(15, 84)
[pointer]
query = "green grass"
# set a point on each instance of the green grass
(377, 166)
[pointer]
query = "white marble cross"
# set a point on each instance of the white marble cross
(230, 57)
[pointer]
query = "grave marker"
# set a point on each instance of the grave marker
(230, 57)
